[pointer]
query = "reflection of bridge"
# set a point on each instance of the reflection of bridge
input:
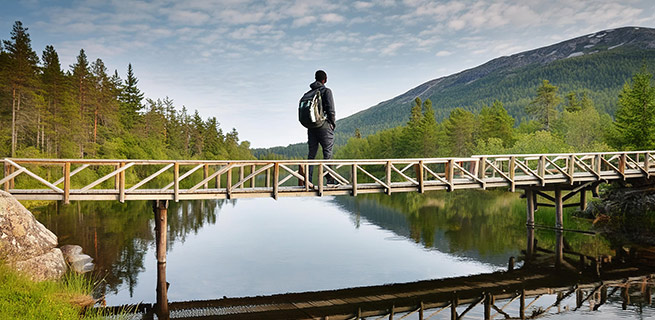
(534, 290)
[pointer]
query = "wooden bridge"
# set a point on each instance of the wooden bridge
(124, 180)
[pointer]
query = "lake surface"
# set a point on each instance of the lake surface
(252, 247)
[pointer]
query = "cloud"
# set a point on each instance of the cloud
(188, 17)
(391, 49)
(361, 5)
(443, 53)
(332, 18)
(301, 22)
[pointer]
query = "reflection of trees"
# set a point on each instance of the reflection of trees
(483, 223)
(118, 236)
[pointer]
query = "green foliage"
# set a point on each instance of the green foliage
(21, 298)
(634, 128)
(86, 113)
(460, 128)
(544, 106)
(540, 142)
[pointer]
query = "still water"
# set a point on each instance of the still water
(262, 246)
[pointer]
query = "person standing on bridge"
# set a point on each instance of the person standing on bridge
(323, 135)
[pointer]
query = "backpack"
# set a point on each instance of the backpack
(310, 109)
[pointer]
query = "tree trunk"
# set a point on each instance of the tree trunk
(13, 122)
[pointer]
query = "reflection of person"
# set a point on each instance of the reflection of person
(323, 135)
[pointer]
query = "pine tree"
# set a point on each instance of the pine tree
(495, 122)
(81, 86)
(54, 88)
(634, 128)
(22, 73)
(131, 98)
(544, 105)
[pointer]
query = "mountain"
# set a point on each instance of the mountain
(598, 64)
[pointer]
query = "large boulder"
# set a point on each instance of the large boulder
(26, 244)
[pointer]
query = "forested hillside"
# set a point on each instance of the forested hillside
(85, 112)
(597, 64)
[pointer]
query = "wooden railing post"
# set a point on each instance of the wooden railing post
(176, 182)
(541, 169)
(228, 183)
(276, 179)
(67, 182)
(421, 177)
(450, 173)
(252, 180)
(482, 168)
(353, 178)
(647, 164)
(7, 165)
(571, 168)
(512, 168)
(205, 174)
(622, 161)
(121, 184)
(388, 177)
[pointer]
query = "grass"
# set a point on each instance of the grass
(22, 298)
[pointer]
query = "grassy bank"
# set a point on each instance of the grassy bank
(22, 298)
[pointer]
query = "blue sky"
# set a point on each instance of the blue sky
(248, 62)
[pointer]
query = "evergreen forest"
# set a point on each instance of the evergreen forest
(85, 111)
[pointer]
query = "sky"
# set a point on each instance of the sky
(248, 62)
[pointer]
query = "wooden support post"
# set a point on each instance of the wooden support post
(529, 252)
(622, 162)
(276, 180)
(512, 168)
(67, 182)
(121, 184)
(205, 174)
(535, 204)
(228, 183)
(603, 294)
(560, 296)
(353, 178)
(648, 295)
(176, 182)
(510, 264)
(268, 178)
(161, 308)
(559, 249)
(161, 226)
(320, 179)
(420, 176)
(625, 296)
(117, 178)
(487, 305)
(578, 298)
(453, 307)
(583, 199)
(388, 177)
(522, 306)
(529, 199)
(392, 311)
(559, 209)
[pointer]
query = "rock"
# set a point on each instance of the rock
(47, 266)
(79, 262)
(70, 250)
(25, 243)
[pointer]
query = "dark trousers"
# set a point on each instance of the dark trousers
(323, 136)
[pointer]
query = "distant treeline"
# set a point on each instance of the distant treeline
(85, 112)
(556, 123)
(600, 75)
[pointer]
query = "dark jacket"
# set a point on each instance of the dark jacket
(328, 103)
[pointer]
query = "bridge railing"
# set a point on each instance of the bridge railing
(95, 179)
